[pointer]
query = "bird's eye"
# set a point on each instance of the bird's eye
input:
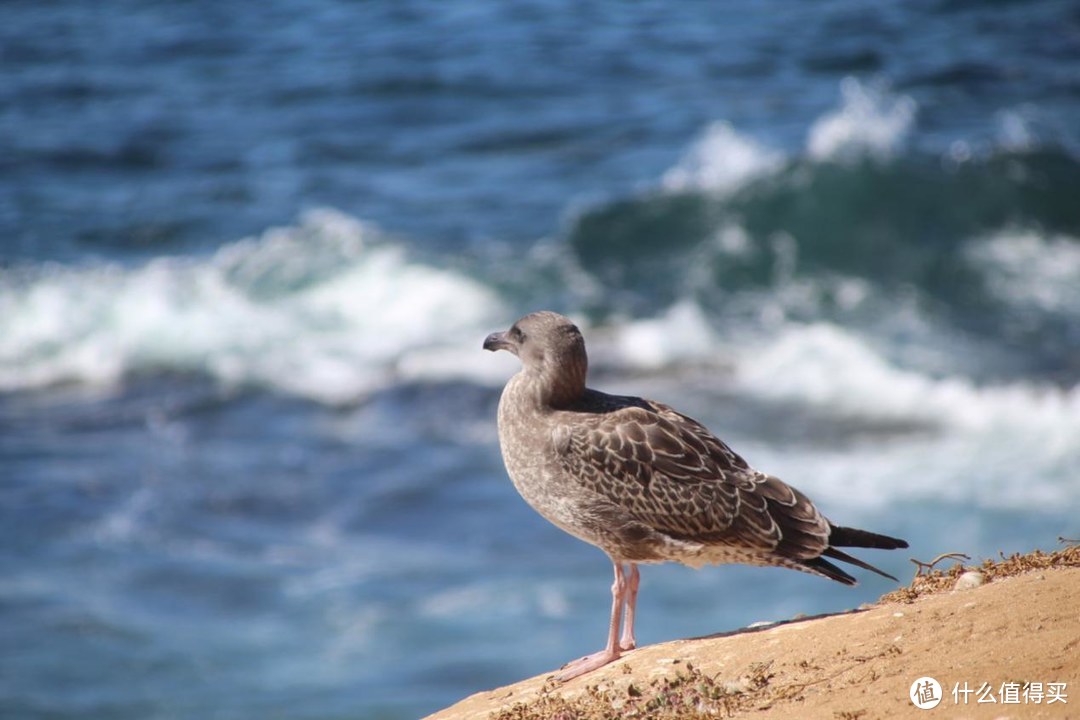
(517, 335)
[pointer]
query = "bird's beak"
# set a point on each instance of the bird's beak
(497, 341)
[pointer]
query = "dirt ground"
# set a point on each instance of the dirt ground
(1014, 638)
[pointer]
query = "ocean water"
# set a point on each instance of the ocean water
(248, 254)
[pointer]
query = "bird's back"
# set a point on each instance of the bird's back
(667, 473)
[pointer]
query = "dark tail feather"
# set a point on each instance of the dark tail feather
(843, 556)
(850, 537)
(822, 566)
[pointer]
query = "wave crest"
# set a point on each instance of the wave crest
(870, 123)
(324, 309)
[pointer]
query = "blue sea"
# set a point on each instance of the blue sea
(249, 253)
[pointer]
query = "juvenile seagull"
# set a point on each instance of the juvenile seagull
(645, 483)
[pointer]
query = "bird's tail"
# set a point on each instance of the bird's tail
(851, 537)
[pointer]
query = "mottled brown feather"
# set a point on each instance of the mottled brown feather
(670, 473)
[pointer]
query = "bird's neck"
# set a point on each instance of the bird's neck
(542, 392)
(562, 381)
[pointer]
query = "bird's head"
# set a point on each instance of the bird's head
(549, 346)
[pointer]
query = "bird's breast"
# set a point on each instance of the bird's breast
(527, 443)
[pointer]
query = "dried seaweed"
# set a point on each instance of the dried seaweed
(929, 580)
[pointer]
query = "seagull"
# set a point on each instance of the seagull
(645, 483)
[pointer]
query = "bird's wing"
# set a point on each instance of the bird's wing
(669, 472)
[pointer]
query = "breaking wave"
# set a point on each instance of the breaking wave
(326, 309)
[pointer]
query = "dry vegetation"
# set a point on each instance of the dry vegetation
(929, 580)
(688, 693)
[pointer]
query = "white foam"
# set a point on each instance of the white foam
(869, 123)
(971, 470)
(1005, 446)
(1029, 269)
(825, 365)
(1015, 132)
(324, 309)
(680, 334)
(721, 161)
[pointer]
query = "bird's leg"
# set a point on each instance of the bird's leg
(611, 650)
(627, 641)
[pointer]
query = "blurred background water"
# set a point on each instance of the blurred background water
(249, 252)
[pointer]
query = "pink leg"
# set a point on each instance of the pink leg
(628, 641)
(611, 650)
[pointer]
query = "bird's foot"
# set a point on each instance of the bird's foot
(586, 664)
